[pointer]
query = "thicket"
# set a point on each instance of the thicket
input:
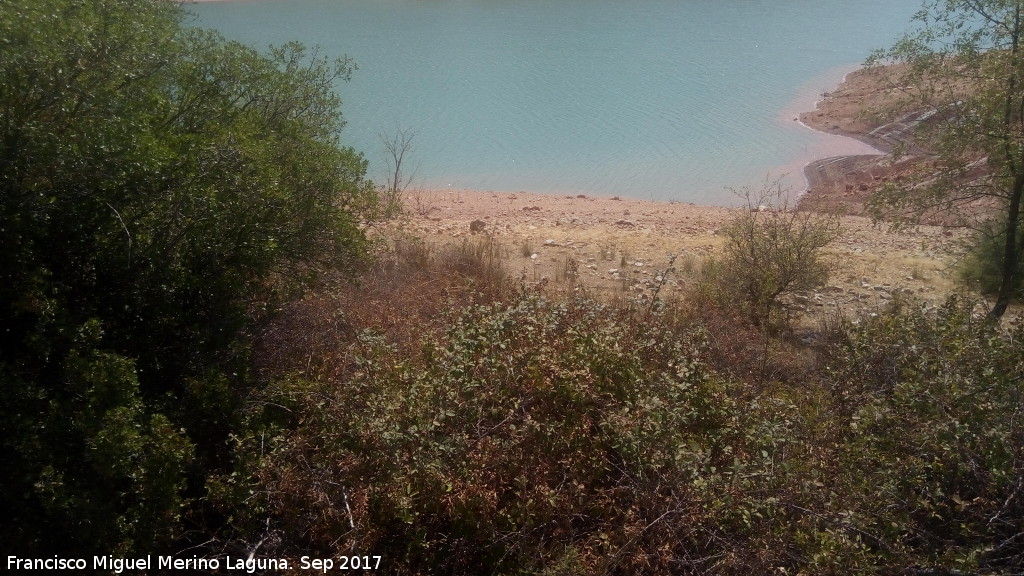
(160, 189)
(930, 463)
(531, 436)
(528, 434)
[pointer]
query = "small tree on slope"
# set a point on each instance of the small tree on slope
(964, 68)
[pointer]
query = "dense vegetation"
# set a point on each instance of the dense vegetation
(529, 434)
(160, 188)
(177, 378)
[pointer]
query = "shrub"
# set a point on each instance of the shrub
(159, 187)
(771, 250)
(533, 437)
(932, 462)
(982, 267)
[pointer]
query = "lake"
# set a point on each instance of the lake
(664, 99)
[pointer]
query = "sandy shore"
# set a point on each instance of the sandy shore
(620, 246)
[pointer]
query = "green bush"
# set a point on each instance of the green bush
(982, 267)
(770, 250)
(932, 461)
(159, 187)
(534, 437)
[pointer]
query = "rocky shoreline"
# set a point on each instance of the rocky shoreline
(864, 107)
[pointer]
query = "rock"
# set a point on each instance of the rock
(477, 226)
(628, 223)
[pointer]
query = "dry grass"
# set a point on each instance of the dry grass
(403, 295)
(413, 286)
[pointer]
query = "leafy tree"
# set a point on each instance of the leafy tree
(963, 68)
(156, 182)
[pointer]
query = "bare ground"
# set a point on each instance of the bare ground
(620, 247)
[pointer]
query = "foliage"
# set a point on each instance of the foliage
(534, 437)
(963, 69)
(770, 251)
(154, 181)
(162, 188)
(982, 267)
(933, 460)
(530, 436)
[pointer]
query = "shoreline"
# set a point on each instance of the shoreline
(811, 170)
(620, 246)
(803, 115)
(855, 109)
(797, 171)
(825, 171)
(836, 114)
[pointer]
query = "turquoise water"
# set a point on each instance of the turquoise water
(664, 99)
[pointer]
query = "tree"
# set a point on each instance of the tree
(159, 185)
(963, 68)
(396, 145)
